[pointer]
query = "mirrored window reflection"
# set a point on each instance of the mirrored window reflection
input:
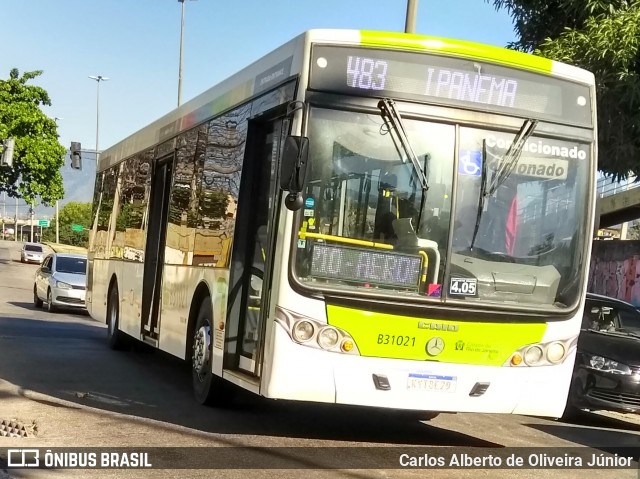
(185, 194)
(221, 167)
(97, 199)
(134, 199)
(105, 193)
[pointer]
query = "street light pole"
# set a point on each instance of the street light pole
(181, 48)
(98, 79)
(56, 119)
(180, 62)
(32, 214)
(412, 9)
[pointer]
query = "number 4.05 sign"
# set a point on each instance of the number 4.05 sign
(463, 287)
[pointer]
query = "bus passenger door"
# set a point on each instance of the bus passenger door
(251, 268)
(154, 249)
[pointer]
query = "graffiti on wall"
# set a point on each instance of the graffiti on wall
(615, 270)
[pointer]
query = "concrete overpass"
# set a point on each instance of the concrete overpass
(8, 228)
(618, 202)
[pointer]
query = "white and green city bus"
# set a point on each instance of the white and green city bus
(365, 218)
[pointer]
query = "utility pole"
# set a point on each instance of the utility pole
(180, 62)
(15, 230)
(412, 10)
(181, 50)
(33, 213)
(56, 119)
(57, 224)
(98, 79)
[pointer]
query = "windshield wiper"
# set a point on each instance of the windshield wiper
(389, 111)
(509, 161)
(503, 170)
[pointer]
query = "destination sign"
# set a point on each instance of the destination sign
(365, 266)
(450, 81)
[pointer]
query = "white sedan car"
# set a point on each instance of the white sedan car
(61, 281)
(32, 253)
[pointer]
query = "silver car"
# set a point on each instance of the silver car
(61, 281)
(32, 253)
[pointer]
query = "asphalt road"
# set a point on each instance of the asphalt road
(61, 383)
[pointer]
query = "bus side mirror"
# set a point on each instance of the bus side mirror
(293, 170)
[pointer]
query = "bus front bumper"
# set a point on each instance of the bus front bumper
(299, 372)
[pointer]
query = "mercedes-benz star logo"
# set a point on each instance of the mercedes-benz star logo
(434, 346)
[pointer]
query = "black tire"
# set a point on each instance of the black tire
(208, 388)
(115, 338)
(50, 307)
(572, 411)
(37, 302)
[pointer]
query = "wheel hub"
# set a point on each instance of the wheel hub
(112, 320)
(201, 343)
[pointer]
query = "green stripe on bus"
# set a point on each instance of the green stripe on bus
(404, 337)
(459, 48)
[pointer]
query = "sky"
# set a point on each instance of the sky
(136, 44)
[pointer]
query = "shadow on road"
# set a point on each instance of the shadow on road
(22, 304)
(157, 386)
(30, 306)
(597, 432)
(584, 418)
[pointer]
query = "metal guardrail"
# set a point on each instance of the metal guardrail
(606, 186)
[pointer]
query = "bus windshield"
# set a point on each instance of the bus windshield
(369, 224)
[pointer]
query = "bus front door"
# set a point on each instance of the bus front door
(251, 269)
(154, 249)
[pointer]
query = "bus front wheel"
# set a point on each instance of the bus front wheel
(208, 388)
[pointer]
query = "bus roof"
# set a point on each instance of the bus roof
(286, 62)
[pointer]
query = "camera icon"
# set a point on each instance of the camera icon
(23, 458)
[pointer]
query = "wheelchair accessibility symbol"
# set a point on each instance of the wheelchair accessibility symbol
(470, 163)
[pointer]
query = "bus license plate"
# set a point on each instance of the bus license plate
(431, 382)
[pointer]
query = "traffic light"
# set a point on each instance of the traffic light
(7, 151)
(76, 155)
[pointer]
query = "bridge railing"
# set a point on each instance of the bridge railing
(606, 186)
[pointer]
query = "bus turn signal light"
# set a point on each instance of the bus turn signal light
(346, 345)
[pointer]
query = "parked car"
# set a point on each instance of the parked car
(61, 281)
(606, 374)
(32, 253)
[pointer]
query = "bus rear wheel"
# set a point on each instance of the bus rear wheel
(115, 337)
(208, 388)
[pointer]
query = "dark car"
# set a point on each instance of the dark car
(606, 375)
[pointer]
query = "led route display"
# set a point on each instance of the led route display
(448, 80)
(371, 74)
(365, 266)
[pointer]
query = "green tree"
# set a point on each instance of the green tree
(38, 155)
(602, 36)
(634, 231)
(73, 213)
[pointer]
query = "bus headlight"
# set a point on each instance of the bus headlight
(328, 338)
(533, 355)
(542, 354)
(303, 331)
(555, 352)
(312, 333)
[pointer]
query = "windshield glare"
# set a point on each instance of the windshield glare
(368, 225)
